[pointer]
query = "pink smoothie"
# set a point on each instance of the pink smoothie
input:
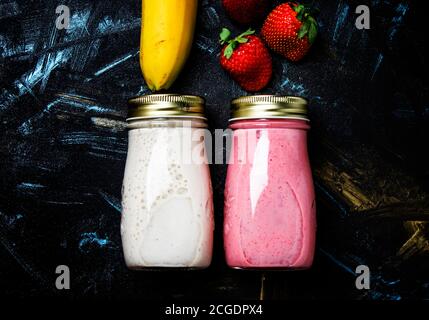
(269, 216)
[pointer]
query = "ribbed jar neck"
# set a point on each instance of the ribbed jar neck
(174, 122)
(272, 123)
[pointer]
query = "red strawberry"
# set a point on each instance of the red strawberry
(246, 11)
(290, 30)
(247, 60)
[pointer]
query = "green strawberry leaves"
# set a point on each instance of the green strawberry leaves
(229, 50)
(224, 35)
(232, 44)
(309, 24)
(300, 10)
(304, 29)
(309, 28)
(312, 31)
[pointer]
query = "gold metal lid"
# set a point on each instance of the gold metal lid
(165, 106)
(269, 106)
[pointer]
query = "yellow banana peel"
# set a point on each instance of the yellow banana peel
(167, 30)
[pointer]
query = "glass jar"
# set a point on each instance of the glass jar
(269, 214)
(167, 207)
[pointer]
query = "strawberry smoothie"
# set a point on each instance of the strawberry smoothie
(269, 196)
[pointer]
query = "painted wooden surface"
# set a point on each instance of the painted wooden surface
(63, 146)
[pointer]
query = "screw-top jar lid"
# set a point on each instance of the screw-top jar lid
(269, 106)
(165, 106)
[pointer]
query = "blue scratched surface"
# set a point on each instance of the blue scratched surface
(63, 141)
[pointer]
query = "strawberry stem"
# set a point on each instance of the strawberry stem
(232, 43)
(309, 24)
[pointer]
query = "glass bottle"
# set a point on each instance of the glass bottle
(167, 207)
(269, 214)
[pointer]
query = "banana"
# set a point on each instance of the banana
(167, 30)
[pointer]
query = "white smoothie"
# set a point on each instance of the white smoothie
(167, 210)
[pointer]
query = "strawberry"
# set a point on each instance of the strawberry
(247, 60)
(290, 30)
(246, 12)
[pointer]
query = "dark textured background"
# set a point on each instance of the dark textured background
(63, 146)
